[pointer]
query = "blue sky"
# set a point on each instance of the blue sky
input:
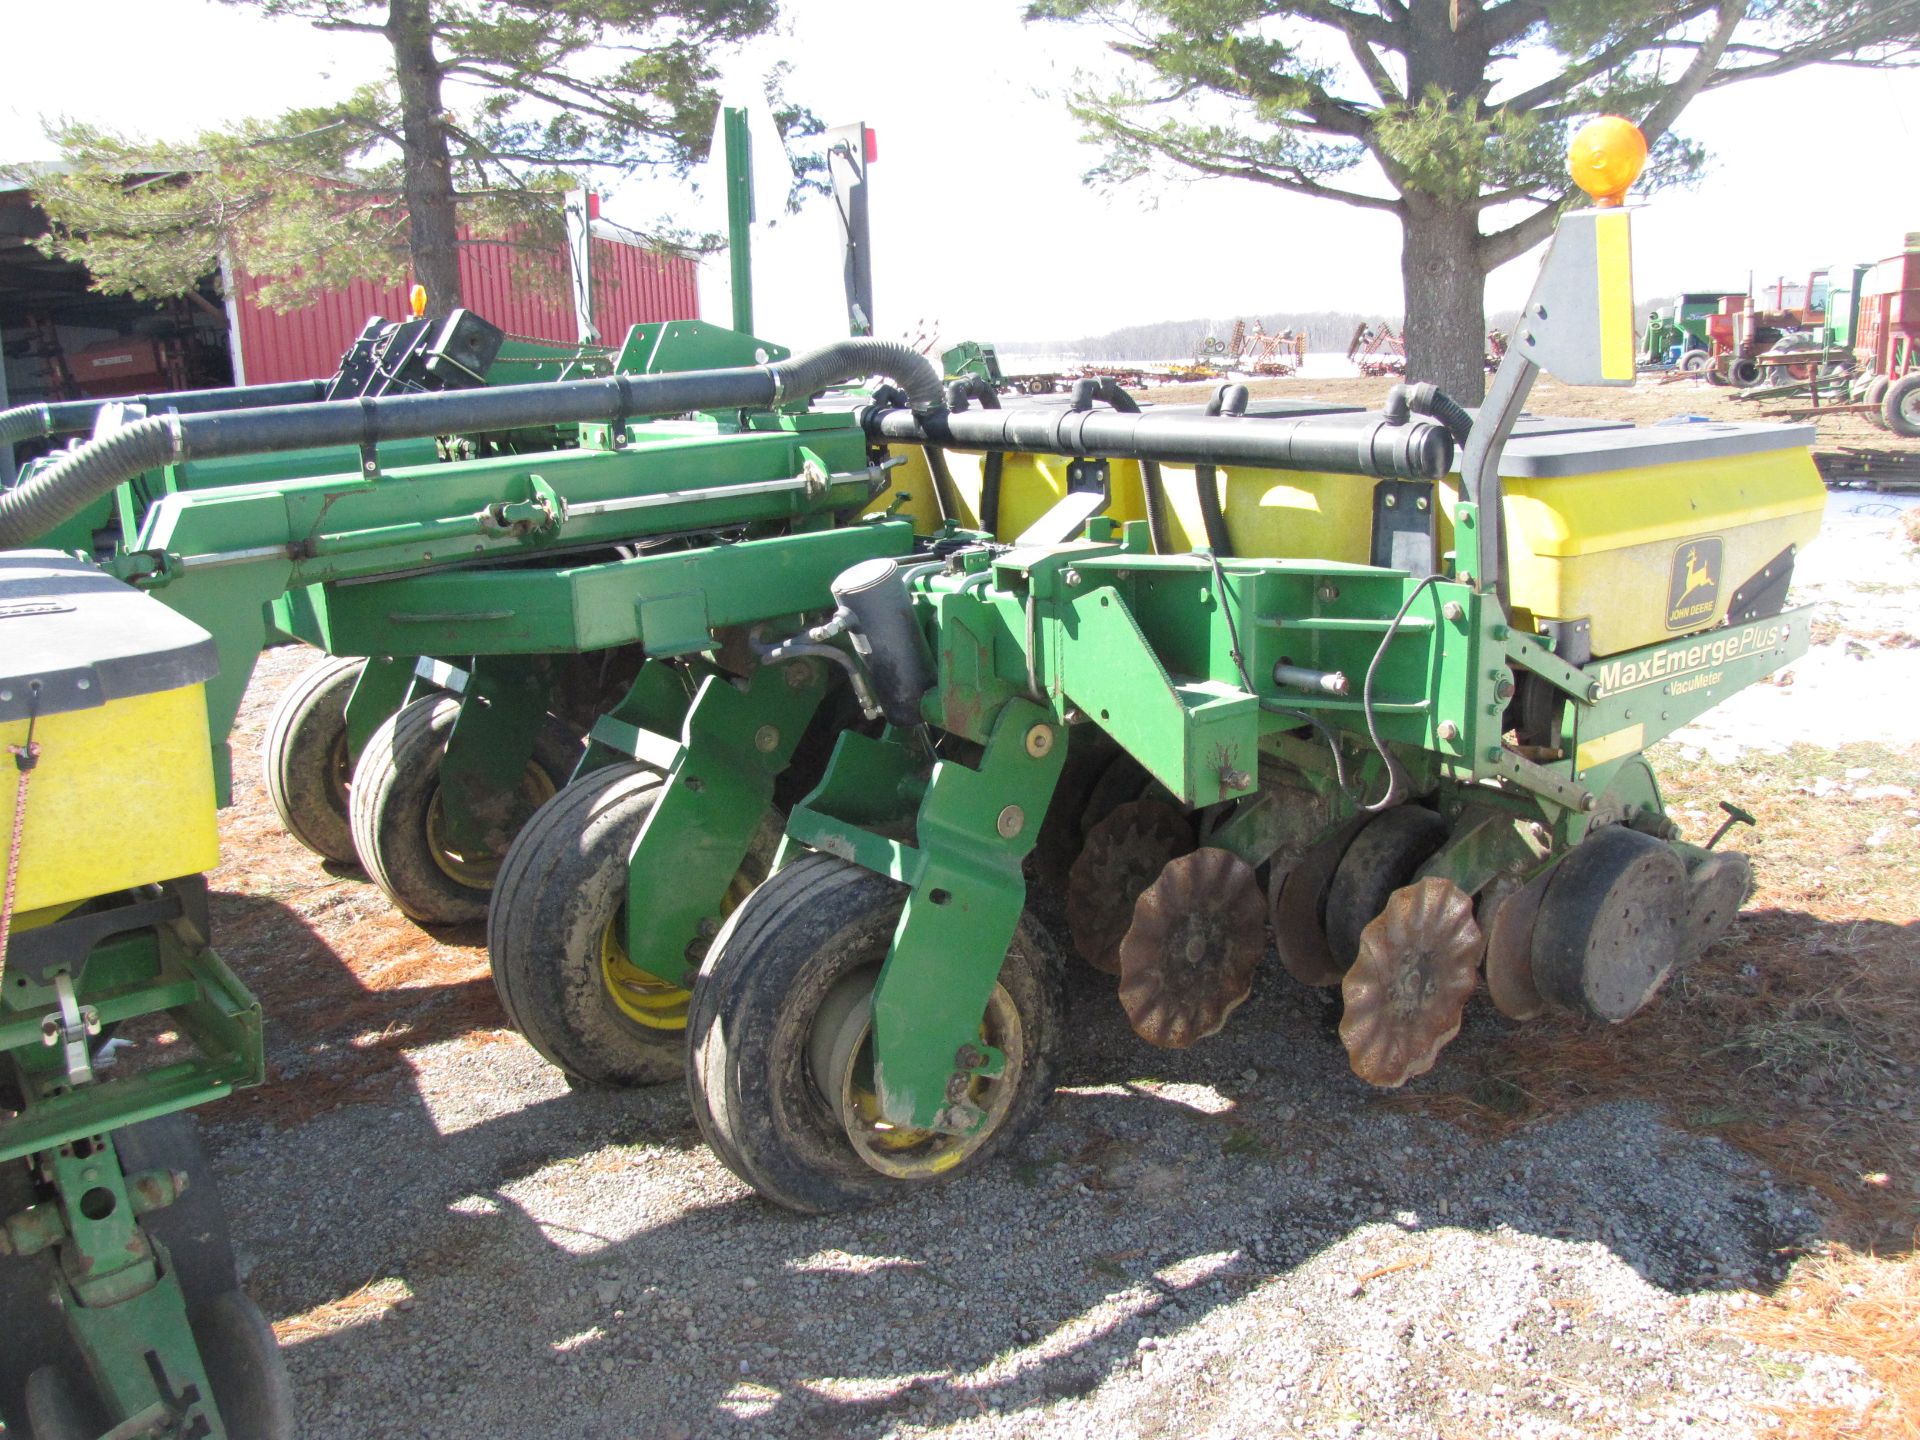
(982, 226)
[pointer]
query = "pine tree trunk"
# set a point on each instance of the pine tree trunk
(1445, 291)
(433, 235)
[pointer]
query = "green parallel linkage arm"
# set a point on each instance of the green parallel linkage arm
(715, 800)
(971, 828)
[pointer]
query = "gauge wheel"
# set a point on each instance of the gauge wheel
(781, 1061)
(1384, 856)
(556, 927)
(398, 822)
(304, 758)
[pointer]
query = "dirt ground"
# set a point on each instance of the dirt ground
(1701, 1223)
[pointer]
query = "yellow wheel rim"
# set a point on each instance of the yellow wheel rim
(644, 999)
(842, 1053)
(476, 871)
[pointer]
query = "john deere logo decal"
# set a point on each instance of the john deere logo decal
(1694, 590)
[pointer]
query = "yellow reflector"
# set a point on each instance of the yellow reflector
(1613, 263)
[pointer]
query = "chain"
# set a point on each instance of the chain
(578, 346)
(25, 757)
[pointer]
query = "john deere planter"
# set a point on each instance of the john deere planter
(842, 661)
(1394, 707)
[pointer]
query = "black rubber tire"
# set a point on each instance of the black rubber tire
(244, 1367)
(1900, 407)
(37, 1336)
(304, 758)
(773, 963)
(1384, 856)
(1695, 361)
(59, 1405)
(1611, 925)
(395, 786)
(194, 1227)
(563, 882)
(1743, 372)
(1875, 395)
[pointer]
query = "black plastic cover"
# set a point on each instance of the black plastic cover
(87, 638)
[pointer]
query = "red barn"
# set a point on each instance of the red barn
(62, 340)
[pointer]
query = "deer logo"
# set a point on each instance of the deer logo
(1694, 590)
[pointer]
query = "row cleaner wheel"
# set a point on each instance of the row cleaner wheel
(1188, 958)
(1419, 962)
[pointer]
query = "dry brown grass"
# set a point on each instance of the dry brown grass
(1910, 525)
(1796, 1038)
(372, 1301)
(1856, 1307)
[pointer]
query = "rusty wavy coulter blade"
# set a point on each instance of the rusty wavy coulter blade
(1188, 958)
(1418, 963)
(1124, 854)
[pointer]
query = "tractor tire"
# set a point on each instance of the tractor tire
(778, 1041)
(1695, 361)
(396, 811)
(1743, 372)
(304, 759)
(1900, 407)
(1875, 395)
(554, 927)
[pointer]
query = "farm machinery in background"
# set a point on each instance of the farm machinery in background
(748, 713)
(1378, 350)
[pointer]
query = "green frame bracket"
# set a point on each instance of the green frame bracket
(971, 828)
(385, 684)
(716, 797)
(488, 751)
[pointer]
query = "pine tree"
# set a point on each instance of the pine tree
(492, 109)
(1451, 115)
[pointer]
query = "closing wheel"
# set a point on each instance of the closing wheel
(1124, 854)
(244, 1367)
(780, 1060)
(1188, 959)
(1408, 987)
(61, 1407)
(556, 928)
(1717, 886)
(398, 820)
(304, 758)
(1385, 855)
(1900, 406)
(1611, 924)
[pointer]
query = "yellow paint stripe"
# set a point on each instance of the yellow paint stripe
(1602, 748)
(1613, 255)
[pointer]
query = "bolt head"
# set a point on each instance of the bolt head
(1447, 730)
(1039, 740)
(766, 739)
(1454, 610)
(1070, 577)
(1011, 822)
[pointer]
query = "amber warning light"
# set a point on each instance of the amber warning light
(1606, 158)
